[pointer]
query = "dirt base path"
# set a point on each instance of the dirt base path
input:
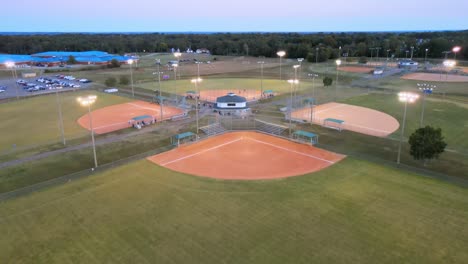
(246, 156)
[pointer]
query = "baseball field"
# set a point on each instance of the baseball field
(240, 196)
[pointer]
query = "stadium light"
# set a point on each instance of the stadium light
(11, 65)
(448, 64)
(425, 56)
(313, 75)
(196, 81)
(405, 97)
(88, 101)
(130, 62)
(455, 50)
(425, 89)
(281, 53)
(292, 82)
(338, 63)
(261, 80)
(158, 62)
(175, 65)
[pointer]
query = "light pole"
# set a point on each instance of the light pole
(130, 62)
(338, 63)
(412, 49)
(455, 50)
(316, 56)
(406, 54)
(292, 82)
(88, 101)
(405, 97)
(158, 62)
(177, 55)
(377, 49)
(175, 81)
(11, 65)
(425, 56)
(425, 89)
(387, 53)
(297, 66)
(300, 60)
(280, 54)
(261, 80)
(313, 75)
(371, 53)
(196, 82)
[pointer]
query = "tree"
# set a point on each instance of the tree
(114, 64)
(327, 81)
(71, 60)
(426, 143)
(111, 81)
(124, 80)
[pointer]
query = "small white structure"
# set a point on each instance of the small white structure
(202, 51)
(378, 71)
(111, 90)
(231, 104)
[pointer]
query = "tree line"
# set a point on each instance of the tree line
(296, 45)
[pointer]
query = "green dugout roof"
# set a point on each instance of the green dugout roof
(190, 92)
(268, 91)
(305, 134)
(334, 120)
(184, 135)
(138, 118)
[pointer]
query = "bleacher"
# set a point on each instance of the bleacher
(213, 129)
(269, 128)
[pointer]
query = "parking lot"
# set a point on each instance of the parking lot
(40, 85)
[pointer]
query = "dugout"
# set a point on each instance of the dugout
(304, 136)
(182, 138)
(268, 93)
(191, 94)
(143, 119)
(333, 123)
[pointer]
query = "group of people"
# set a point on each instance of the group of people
(140, 124)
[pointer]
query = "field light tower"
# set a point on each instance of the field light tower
(281, 54)
(338, 63)
(11, 65)
(292, 82)
(406, 98)
(448, 64)
(158, 62)
(175, 80)
(130, 62)
(455, 50)
(196, 81)
(88, 101)
(297, 66)
(425, 56)
(261, 74)
(313, 75)
(425, 89)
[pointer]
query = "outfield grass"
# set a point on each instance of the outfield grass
(352, 212)
(34, 121)
(451, 117)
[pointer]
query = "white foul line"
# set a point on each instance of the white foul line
(200, 152)
(293, 151)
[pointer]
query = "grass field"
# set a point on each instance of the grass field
(34, 121)
(451, 117)
(353, 212)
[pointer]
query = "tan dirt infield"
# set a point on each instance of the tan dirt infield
(116, 117)
(435, 77)
(358, 119)
(246, 156)
(211, 95)
(356, 69)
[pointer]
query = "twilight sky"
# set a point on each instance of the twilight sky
(233, 16)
